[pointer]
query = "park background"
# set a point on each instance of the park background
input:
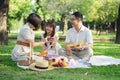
(102, 17)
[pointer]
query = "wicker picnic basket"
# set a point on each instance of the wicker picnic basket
(29, 60)
(26, 62)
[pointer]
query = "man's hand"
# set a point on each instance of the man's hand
(68, 49)
(77, 47)
(68, 52)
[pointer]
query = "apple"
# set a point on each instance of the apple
(53, 60)
(62, 59)
(60, 64)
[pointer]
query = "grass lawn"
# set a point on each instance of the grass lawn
(9, 70)
(38, 34)
(95, 36)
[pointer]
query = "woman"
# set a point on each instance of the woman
(26, 37)
(52, 44)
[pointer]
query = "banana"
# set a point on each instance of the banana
(73, 45)
(44, 52)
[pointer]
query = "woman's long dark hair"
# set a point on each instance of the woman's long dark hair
(52, 25)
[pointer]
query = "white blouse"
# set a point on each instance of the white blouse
(25, 33)
(51, 51)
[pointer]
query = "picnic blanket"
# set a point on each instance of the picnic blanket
(104, 60)
(97, 60)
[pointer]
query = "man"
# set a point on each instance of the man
(78, 34)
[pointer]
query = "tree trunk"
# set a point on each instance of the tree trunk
(4, 6)
(118, 27)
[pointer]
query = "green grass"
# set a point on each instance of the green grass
(15, 34)
(103, 35)
(38, 34)
(106, 36)
(9, 70)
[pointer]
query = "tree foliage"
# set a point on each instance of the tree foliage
(19, 9)
(93, 10)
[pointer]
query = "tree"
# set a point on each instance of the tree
(97, 11)
(4, 7)
(19, 9)
(59, 10)
(118, 27)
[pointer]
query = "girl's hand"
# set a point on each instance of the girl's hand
(50, 39)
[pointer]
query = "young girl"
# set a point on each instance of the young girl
(52, 44)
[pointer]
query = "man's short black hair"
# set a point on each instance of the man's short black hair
(35, 20)
(78, 15)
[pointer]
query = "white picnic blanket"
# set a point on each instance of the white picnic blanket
(78, 64)
(104, 60)
(97, 60)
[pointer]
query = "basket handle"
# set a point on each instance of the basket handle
(31, 51)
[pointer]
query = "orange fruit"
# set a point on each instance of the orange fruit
(64, 64)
